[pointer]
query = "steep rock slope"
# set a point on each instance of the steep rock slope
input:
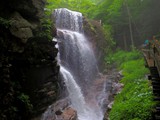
(28, 69)
(93, 30)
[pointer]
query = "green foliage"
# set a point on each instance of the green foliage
(45, 28)
(51, 5)
(107, 10)
(135, 101)
(25, 99)
(110, 43)
(83, 6)
(131, 72)
(114, 8)
(122, 56)
(4, 22)
(46, 24)
(116, 13)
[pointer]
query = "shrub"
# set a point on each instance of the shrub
(4, 22)
(121, 57)
(135, 101)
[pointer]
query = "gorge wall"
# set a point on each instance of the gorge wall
(28, 70)
(94, 32)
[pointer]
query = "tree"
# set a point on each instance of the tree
(132, 21)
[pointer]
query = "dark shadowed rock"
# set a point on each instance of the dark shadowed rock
(30, 9)
(20, 27)
(33, 70)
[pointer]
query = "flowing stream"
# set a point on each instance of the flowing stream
(78, 66)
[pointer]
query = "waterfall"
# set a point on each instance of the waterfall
(78, 66)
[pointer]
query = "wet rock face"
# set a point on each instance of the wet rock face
(42, 73)
(29, 60)
(95, 34)
(42, 86)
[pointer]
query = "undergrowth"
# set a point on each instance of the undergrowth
(134, 102)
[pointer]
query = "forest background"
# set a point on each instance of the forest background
(128, 22)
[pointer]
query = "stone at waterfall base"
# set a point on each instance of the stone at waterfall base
(60, 110)
(69, 114)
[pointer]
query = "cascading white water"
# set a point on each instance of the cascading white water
(77, 62)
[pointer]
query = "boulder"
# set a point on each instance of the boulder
(62, 104)
(69, 114)
(20, 27)
(60, 111)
